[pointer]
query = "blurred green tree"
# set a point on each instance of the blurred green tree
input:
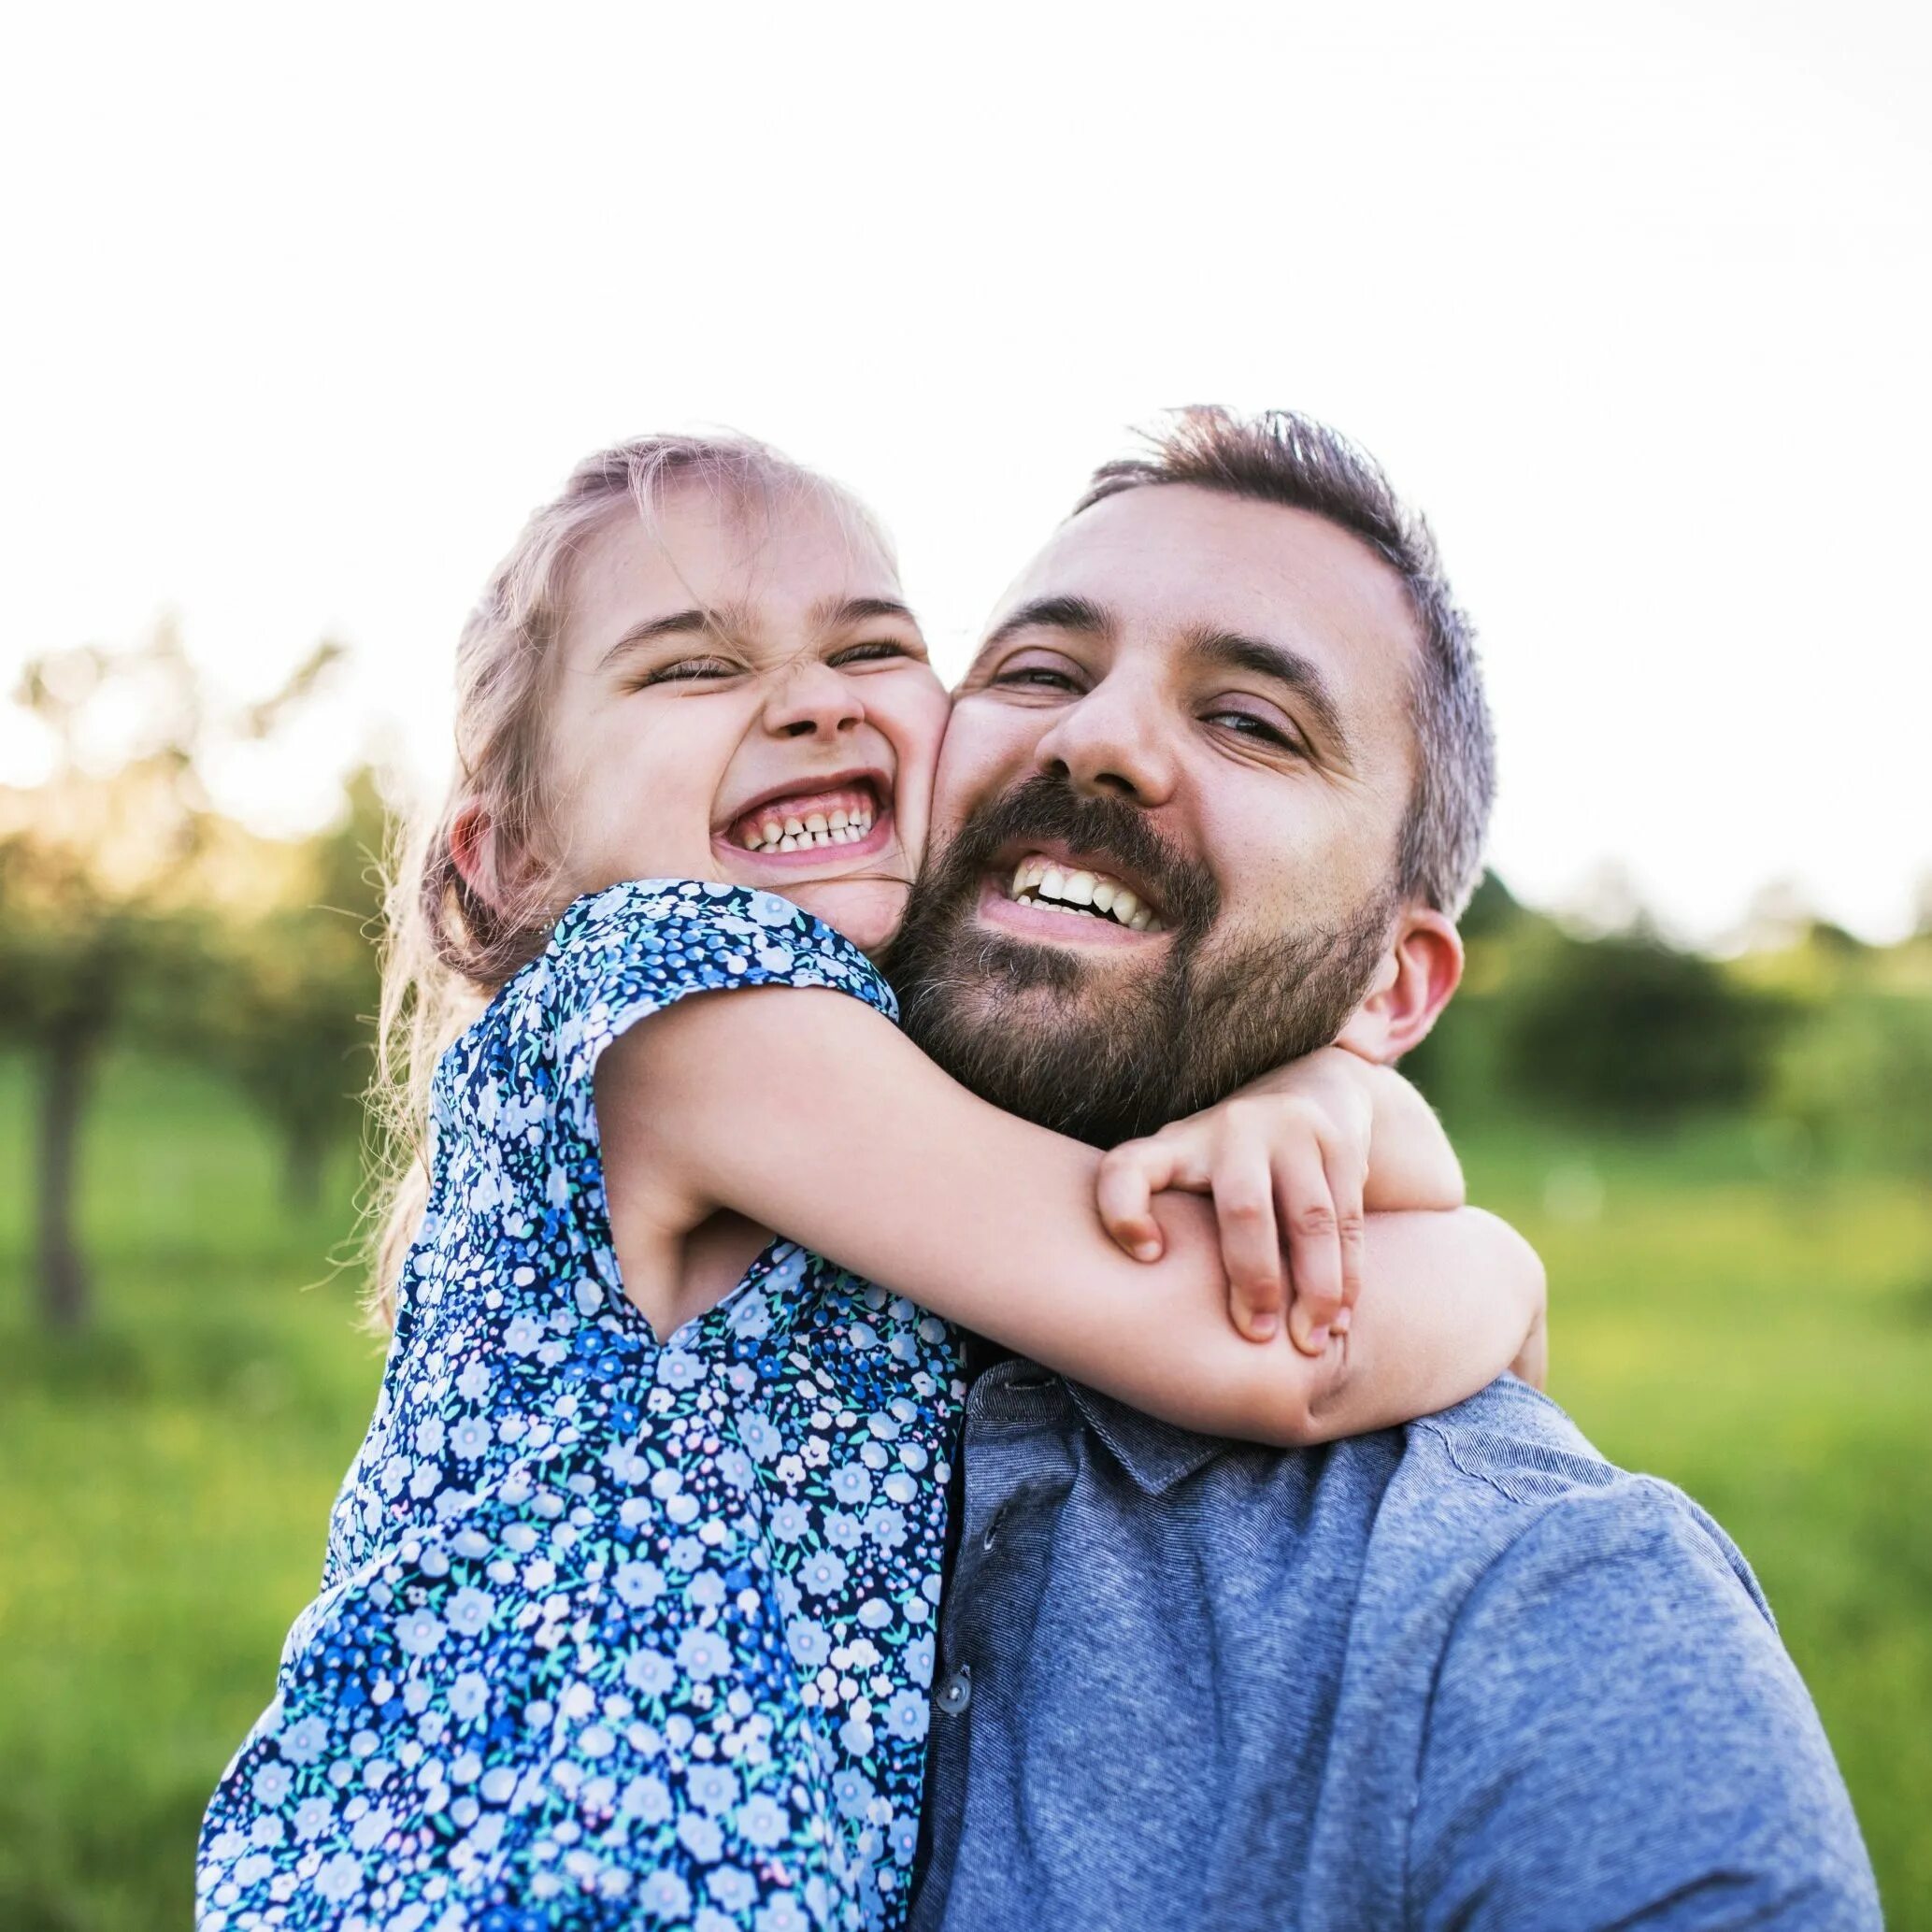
(1627, 1028)
(112, 876)
(291, 1005)
(1857, 1078)
(1494, 913)
(1621, 1028)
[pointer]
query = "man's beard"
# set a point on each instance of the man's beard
(1110, 1055)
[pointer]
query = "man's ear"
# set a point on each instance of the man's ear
(1423, 966)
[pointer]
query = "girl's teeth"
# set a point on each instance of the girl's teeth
(847, 825)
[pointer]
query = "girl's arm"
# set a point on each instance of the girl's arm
(1325, 1151)
(807, 1112)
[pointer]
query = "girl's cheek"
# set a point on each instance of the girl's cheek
(920, 754)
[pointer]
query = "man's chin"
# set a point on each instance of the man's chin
(1014, 971)
(1048, 1032)
(1041, 989)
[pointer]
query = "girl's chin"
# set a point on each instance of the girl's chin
(867, 911)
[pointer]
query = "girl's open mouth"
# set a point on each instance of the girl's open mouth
(814, 816)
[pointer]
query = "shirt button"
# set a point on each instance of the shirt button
(958, 1693)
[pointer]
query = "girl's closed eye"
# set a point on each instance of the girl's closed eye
(689, 671)
(879, 650)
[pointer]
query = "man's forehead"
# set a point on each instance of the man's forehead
(1163, 560)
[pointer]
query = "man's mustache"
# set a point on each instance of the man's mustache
(1046, 807)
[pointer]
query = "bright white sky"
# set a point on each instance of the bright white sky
(308, 307)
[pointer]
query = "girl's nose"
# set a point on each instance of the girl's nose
(811, 698)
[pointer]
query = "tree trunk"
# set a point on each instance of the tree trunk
(66, 1067)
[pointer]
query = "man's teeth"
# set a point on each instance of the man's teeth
(782, 831)
(1038, 881)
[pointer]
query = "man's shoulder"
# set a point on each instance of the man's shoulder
(1508, 1475)
(1564, 1678)
(1612, 1723)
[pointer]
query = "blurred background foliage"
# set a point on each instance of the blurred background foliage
(1725, 1161)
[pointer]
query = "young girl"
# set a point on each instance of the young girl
(627, 1613)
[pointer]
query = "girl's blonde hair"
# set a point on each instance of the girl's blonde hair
(448, 948)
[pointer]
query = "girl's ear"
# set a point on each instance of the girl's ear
(474, 852)
(1421, 968)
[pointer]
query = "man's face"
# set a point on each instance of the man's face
(1199, 702)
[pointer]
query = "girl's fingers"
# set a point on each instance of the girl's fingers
(1314, 1246)
(1250, 1241)
(1131, 1175)
(1347, 1176)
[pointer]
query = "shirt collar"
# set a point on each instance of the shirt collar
(1156, 1454)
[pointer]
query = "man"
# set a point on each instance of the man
(1463, 1673)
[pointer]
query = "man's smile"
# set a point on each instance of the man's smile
(1048, 891)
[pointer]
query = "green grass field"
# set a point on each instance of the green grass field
(1765, 1343)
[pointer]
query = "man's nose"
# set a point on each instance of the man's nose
(1115, 740)
(811, 698)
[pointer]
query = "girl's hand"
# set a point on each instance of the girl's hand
(1286, 1160)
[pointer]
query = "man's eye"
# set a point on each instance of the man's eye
(1246, 724)
(689, 671)
(1036, 677)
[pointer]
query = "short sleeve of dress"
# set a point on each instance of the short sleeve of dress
(620, 955)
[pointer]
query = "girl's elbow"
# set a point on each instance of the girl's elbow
(1299, 1402)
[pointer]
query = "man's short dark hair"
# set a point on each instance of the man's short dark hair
(1284, 457)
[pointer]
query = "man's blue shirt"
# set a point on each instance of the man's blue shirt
(1460, 1674)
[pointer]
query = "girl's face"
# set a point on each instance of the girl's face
(745, 698)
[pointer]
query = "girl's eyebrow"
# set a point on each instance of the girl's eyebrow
(834, 612)
(680, 623)
(829, 613)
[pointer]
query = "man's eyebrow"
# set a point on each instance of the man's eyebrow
(1234, 651)
(1054, 615)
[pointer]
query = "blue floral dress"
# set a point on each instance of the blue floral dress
(611, 1631)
